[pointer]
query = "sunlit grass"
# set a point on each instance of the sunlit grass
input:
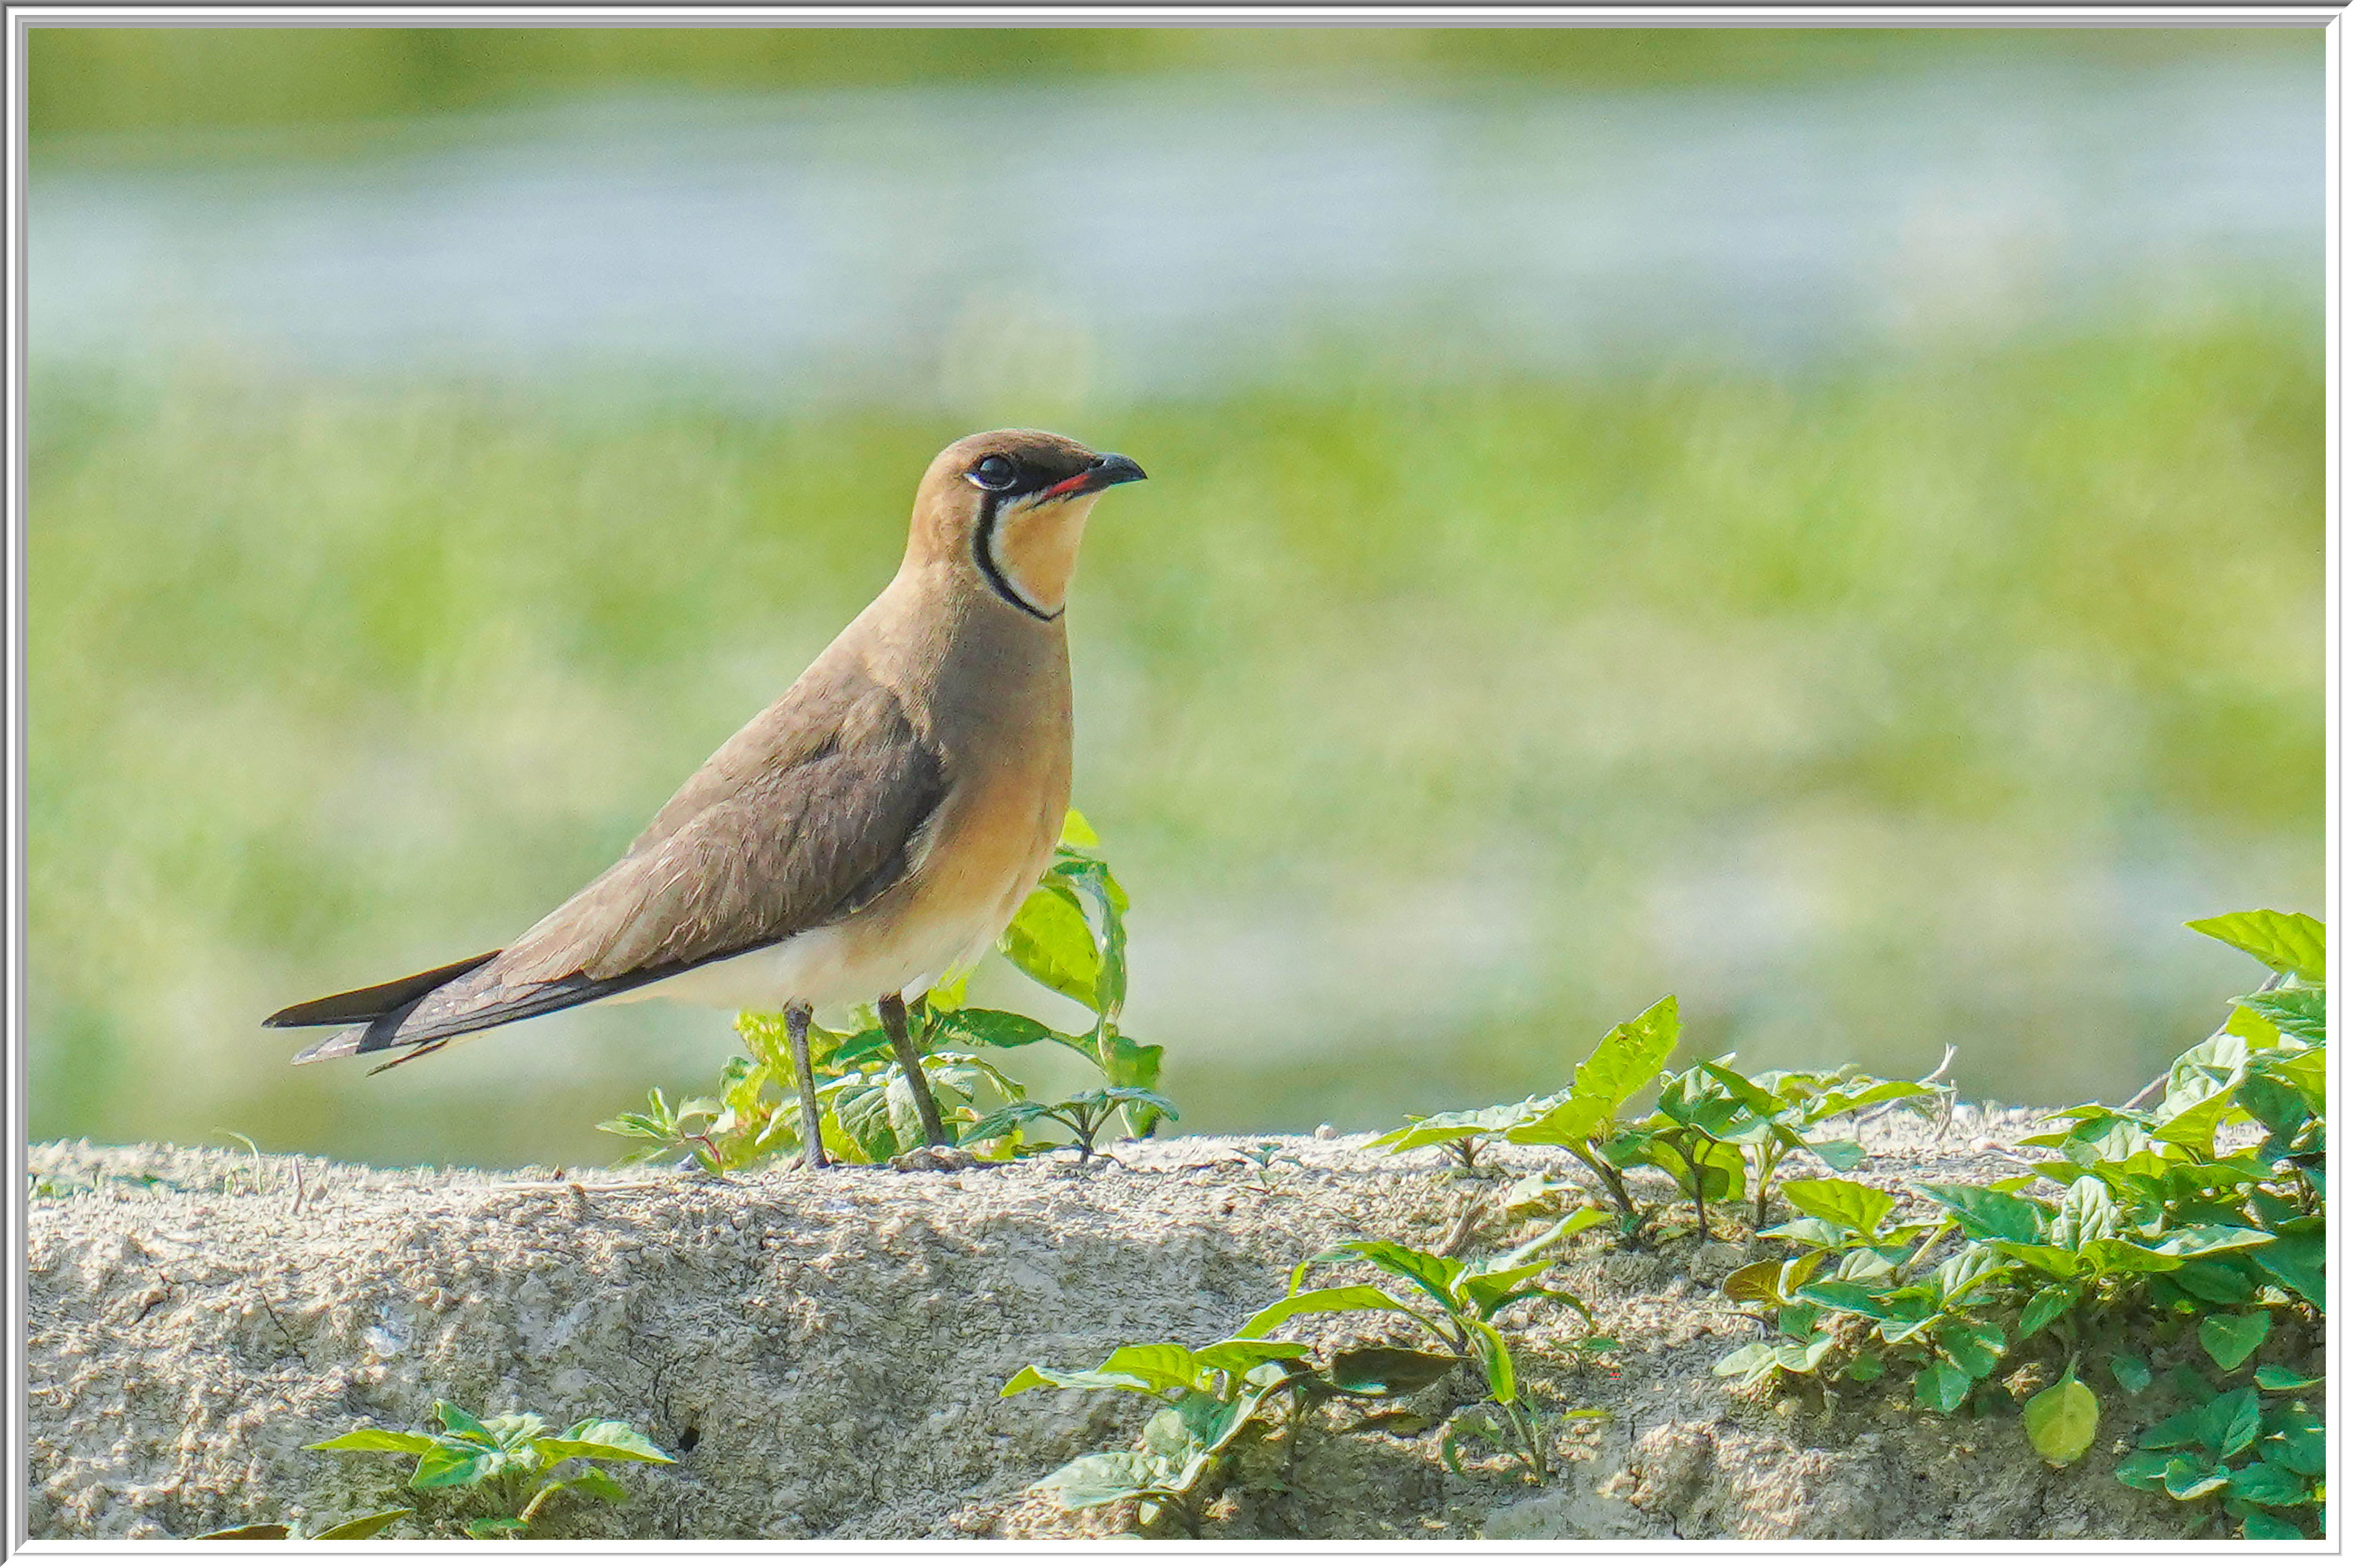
(1432, 728)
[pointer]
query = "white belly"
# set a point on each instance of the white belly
(830, 965)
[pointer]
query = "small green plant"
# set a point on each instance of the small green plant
(1216, 1397)
(1262, 1158)
(1087, 1115)
(1209, 1400)
(1584, 1123)
(510, 1459)
(2159, 1237)
(1464, 1134)
(2263, 1459)
(1463, 1300)
(867, 1109)
(365, 1527)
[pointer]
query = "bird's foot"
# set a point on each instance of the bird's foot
(936, 1158)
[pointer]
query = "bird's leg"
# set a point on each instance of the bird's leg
(895, 1024)
(797, 1025)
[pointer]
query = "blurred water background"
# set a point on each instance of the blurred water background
(1826, 522)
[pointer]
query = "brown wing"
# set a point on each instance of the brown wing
(810, 811)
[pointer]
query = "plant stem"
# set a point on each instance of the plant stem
(1768, 1156)
(1699, 1173)
(1607, 1176)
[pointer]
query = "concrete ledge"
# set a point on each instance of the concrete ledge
(823, 1352)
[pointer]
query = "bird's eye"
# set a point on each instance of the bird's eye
(994, 472)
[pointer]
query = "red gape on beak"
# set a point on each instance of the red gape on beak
(1101, 474)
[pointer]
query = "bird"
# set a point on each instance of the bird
(874, 828)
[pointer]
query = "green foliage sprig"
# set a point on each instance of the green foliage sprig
(1717, 1133)
(510, 1459)
(2159, 1236)
(1216, 1397)
(1086, 1115)
(867, 1109)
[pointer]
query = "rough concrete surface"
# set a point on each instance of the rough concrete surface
(822, 1352)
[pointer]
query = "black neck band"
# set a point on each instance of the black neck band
(984, 555)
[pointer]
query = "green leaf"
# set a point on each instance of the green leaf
(599, 1485)
(1839, 1153)
(463, 1423)
(1159, 1366)
(2279, 1379)
(493, 1528)
(987, 1026)
(2112, 1254)
(1772, 1279)
(2045, 1305)
(1852, 1205)
(1388, 1372)
(1803, 1358)
(1584, 1217)
(2087, 1212)
(1576, 1121)
(2179, 1430)
(279, 1532)
(1034, 1376)
(2294, 1438)
(2186, 1477)
(1242, 1355)
(609, 1440)
(2232, 1337)
(2058, 1262)
(2287, 944)
(1333, 1298)
(2307, 1072)
(1050, 941)
(375, 1440)
(1939, 1386)
(2296, 1262)
(1435, 1276)
(365, 1527)
(2231, 1424)
(2268, 1483)
(2193, 1126)
(2131, 1372)
(2144, 1471)
(2062, 1420)
(1855, 1094)
(1843, 1296)
(2256, 1524)
(452, 1466)
(1092, 1480)
(1495, 1358)
(1629, 1057)
(1134, 1066)
(2223, 1280)
(1975, 1346)
(1752, 1363)
(2198, 1240)
(1987, 1215)
(2299, 1012)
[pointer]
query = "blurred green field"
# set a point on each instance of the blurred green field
(167, 80)
(1432, 728)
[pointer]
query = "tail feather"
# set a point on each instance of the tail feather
(371, 1003)
(421, 1013)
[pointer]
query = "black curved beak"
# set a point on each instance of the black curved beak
(1112, 468)
(1101, 474)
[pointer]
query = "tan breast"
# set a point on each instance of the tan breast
(992, 689)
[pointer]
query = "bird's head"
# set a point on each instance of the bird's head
(1010, 506)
